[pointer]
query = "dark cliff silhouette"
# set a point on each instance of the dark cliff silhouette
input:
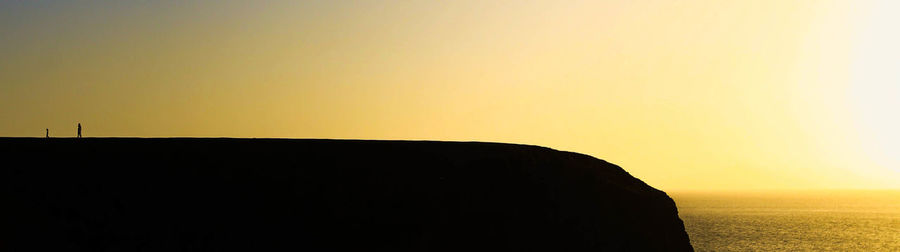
(113, 194)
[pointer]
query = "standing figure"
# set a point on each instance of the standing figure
(79, 130)
(48, 133)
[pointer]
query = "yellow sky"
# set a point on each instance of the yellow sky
(686, 95)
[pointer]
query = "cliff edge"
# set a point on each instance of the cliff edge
(113, 194)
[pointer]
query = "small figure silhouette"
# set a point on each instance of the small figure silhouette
(79, 130)
(48, 133)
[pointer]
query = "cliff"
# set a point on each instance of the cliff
(100, 194)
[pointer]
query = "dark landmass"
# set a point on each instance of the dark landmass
(126, 194)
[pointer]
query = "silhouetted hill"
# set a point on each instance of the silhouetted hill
(117, 194)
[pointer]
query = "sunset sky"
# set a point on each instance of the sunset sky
(685, 95)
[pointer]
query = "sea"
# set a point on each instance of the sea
(791, 220)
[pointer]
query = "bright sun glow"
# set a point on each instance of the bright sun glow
(691, 94)
(876, 83)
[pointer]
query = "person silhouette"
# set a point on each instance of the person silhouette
(79, 130)
(48, 133)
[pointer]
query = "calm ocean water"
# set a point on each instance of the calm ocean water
(792, 221)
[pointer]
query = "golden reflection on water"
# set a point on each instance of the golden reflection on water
(791, 220)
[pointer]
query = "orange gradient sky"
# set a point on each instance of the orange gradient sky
(685, 95)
